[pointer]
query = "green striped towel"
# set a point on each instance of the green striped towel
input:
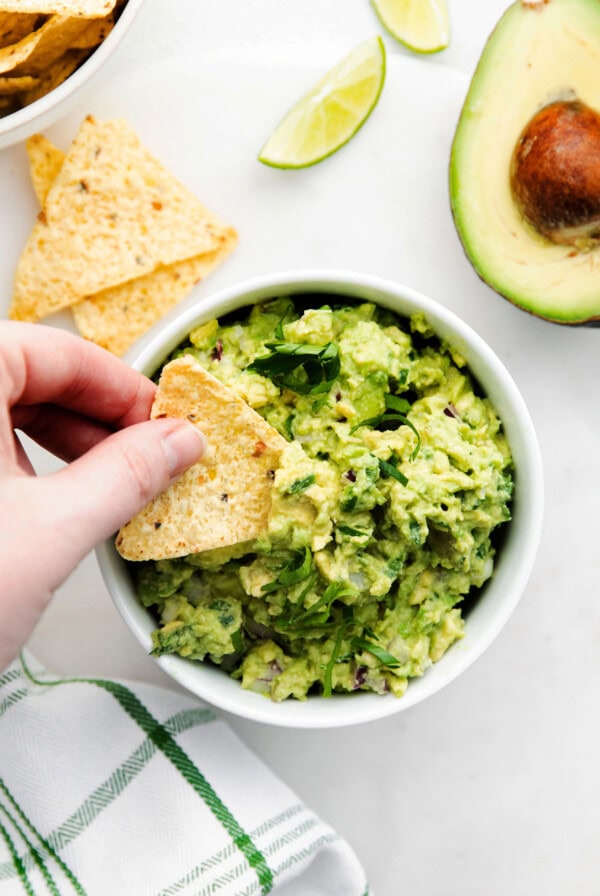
(110, 788)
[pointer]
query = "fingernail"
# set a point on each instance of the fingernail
(183, 447)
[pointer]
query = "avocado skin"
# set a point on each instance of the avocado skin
(564, 293)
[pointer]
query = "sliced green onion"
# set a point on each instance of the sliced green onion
(385, 658)
(395, 403)
(279, 328)
(237, 640)
(352, 531)
(300, 485)
(388, 469)
(287, 427)
(318, 613)
(335, 653)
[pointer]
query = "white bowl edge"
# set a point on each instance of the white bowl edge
(58, 102)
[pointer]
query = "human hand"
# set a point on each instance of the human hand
(91, 410)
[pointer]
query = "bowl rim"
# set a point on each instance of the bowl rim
(341, 710)
(42, 112)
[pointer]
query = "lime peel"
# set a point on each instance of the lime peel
(421, 25)
(331, 112)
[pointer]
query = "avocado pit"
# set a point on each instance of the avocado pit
(555, 173)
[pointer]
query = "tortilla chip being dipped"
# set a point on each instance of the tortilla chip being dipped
(112, 214)
(226, 497)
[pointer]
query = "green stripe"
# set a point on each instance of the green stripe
(11, 675)
(290, 836)
(227, 878)
(306, 852)
(211, 886)
(104, 795)
(276, 820)
(287, 863)
(33, 852)
(11, 700)
(19, 867)
(49, 849)
(219, 857)
(171, 749)
(158, 734)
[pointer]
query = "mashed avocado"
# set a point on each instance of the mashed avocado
(384, 506)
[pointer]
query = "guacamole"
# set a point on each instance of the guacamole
(385, 505)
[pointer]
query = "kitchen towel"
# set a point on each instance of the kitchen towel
(111, 788)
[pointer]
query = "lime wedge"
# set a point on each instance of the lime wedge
(331, 113)
(421, 25)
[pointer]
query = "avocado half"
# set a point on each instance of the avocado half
(541, 52)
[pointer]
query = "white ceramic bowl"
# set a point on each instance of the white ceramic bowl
(49, 108)
(514, 560)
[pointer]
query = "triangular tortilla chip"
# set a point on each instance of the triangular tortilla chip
(14, 54)
(94, 33)
(34, 53)
(57, 35)
(8, 86)
(14, 26)
(226, 497)
(45, 161)
(55, 74)
(113, 214)
(118, 316)
(88, 9)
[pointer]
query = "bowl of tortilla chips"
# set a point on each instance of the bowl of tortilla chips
(50, 49)
(228, 498)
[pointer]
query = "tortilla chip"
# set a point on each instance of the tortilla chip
(16, 85)
(94, 33)
(118, 316)
(56, 36)
(54, 75)
(226, 497)
(113, 214)
(88, 9)
(45, 161)
(14, 26)
(8, 104)
(35, 52)
(14, 54)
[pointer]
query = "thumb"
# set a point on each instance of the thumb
(104, 488)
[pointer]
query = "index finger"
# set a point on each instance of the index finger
(40, 364)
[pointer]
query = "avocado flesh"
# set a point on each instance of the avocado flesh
(537, 54)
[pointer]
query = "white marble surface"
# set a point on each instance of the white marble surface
(492, 786)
